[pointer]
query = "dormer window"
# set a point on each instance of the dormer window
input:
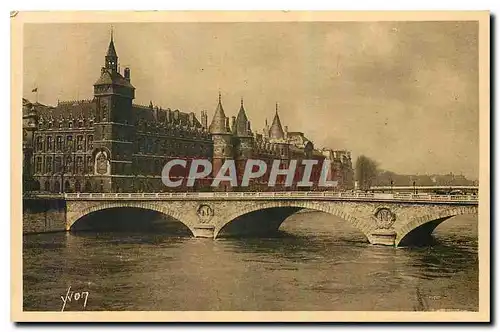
(60, 124)
(50, 125)
(70, 124)
(80, 124)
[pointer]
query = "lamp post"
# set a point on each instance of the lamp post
(414, 188)
(392, 183)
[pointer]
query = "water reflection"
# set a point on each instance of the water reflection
(317, 262)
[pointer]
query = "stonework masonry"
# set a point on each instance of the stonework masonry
(44, 215)
(381, 222)
(109, 144)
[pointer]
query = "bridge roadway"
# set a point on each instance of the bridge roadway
(389, 219)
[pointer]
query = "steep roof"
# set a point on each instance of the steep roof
(276, 131)
(86, 108)
(111, 48)
(68, 109)
(149, 114)
(218, 125)
(241, 124)
(112, 77)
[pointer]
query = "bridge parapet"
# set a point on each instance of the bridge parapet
(300, 195)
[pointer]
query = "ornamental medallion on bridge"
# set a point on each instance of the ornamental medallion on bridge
(384, 217)
(205, 213)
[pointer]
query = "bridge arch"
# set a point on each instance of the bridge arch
(425, 225)
(365, 226)
(72, 218)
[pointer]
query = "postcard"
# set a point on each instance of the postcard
(250, 167)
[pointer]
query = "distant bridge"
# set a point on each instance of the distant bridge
(389, 219)
(465, 189)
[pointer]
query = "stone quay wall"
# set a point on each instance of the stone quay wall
(43, 215)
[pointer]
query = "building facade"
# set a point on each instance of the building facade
(110, 144)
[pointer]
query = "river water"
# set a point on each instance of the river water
(317, 263)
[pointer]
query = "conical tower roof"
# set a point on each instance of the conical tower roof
(241, 124)
(276, 131)
(218, 125)
(111, 48)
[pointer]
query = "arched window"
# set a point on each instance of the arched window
(46, 186)
(67, 186)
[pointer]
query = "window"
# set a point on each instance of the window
(80, 123)
(91, 123)
(59, 143)
(79, 164)
(58, 164)
(157, 146)
(67, 165)
(79, 142)
(50, 124)
(157, 168)
(49, 165)
(104, 114)
(60, 124)
(89, 164)
(70, 124)
(39, 143)
(49, 143)
(69, 142)
(150, 145)
(90, 141)
(38, 165)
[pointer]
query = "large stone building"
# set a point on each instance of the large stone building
(110, 144)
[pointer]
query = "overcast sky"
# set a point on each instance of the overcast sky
(404, 94)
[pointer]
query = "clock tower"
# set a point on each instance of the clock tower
(114, 128)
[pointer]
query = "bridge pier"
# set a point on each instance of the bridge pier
(203, 231)
(386, 237)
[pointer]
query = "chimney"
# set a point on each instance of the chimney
(191, 119)
(233, 122)
(286, 131)
(168, 117)
(204, 119)
(126, 73)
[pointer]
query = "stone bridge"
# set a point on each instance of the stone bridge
(389, 219)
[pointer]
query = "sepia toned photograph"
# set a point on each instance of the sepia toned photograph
(239, 166)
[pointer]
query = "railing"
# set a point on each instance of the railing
(278, 195)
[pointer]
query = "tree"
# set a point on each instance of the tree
(366, 172)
